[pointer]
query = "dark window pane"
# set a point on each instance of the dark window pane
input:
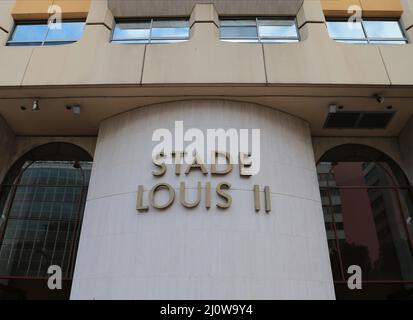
(43, 219)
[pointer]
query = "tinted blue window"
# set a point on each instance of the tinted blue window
(69, 31)
(277, 29)
(151, 31)
(346, 30)
(259, 30)
(367, 31)
(383, 29)
(134, 31)
(29, 34)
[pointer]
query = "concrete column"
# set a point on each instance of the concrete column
(407, 18)
(406, 146)
(200, 253)
(204, 21)
(310, 12)
(311, 20)
(6, 20)
(7, 147)
(100, 14)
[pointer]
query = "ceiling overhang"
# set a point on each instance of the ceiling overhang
(310, 103)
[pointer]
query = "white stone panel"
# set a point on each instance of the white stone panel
(197, 253)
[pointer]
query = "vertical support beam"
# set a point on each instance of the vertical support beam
(406, 147)
(407, 18)
(310, 17)
(6, 21)
(100, 14)
(204, 14)
(7, 147)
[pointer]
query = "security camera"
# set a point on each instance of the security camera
(380, 98)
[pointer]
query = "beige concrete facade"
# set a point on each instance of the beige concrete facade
(123, 89)
(130, 76)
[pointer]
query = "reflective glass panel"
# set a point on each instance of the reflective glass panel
(345, 30)
(277, 29)
(368, 215)
(154, 31)
(259, 30)
(383, 29)
(239, 32)
(36, 34)
(67, 31)
(170, 33)
(29, 33)
(128, 31)
(43, 218)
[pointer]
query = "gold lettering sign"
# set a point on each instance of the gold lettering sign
(222, 189)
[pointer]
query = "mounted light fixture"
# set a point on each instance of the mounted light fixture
(332, 108)
(379, 98)
(75, 109)
(36, 106)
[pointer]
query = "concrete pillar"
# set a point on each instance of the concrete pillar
(407, 18)
(6, 21)
(200, 253)
(100, 14)
(311, 20)
(406, 146)
(204, 21)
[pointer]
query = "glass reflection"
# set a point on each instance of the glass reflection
(259, 30)
(39, 34)
(367, 31)
(383, 29)
(43, 218)
(367, 214)
(151, 31)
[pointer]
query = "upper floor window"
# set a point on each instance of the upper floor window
(367, 31)
(151, 31)
(263, 30)
(40, 33)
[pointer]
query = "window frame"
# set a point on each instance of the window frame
(367, 39)
(53, 152)
(150, 39)
(44, 42)
(259, 38)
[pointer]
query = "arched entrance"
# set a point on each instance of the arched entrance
(368, 213)
(42, 201)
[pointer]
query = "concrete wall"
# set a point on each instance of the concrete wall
(398, 148)
(13, 147)
(203, 254)
(204, 59)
